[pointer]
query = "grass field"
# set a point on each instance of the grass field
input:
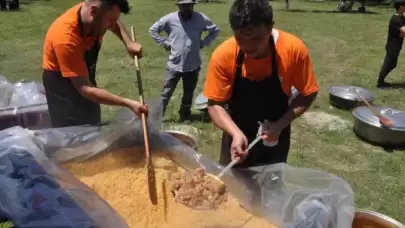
(346, 49)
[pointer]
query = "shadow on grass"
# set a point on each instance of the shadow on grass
(195, 117)
(386, 148)
(200, 2)
(325, 11)
(212, 2)
(22, 4)
(28, 2)
(395, 85)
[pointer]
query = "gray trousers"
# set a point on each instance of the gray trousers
(172, 78)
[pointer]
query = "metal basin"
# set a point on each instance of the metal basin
(201, 102)
(371, 219)
(184, 137)
(347, 97)
(368, 126)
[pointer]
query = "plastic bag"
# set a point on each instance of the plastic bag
(6, 92)
(25, 105)
(32, 117)
(82, 142)
(286, 196)
(36, 192)
(28, 93)
(296, 197)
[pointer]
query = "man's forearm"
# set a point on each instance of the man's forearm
(222, 120)
(120, 31)
(104, 97)
(213, 33)
(298, 106)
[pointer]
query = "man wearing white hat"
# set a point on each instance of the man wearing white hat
(184, 29)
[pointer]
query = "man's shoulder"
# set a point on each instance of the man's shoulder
(226, 50)
(171, 16)
(61, 32)
(291, 43)
(397, 19)
(289, 39)
(65, 29)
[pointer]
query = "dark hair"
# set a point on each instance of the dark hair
(123, 5)
(244, 13)
(398, 4)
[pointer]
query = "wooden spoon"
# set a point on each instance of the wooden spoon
(383, 120)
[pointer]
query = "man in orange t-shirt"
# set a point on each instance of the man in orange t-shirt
(70, 55)
(253, 73)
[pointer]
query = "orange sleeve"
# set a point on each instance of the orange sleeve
(71, 59)
(219, 78)
(304, 79)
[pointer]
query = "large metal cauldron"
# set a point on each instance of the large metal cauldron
(371, 219)
(347, 97)
(186, 134)
(368, 126)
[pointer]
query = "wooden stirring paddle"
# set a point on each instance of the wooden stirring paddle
(149, 166)
(383, 120)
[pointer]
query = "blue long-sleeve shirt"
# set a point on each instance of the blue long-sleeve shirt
(184, 39)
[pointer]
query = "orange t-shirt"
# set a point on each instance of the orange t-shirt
(294, 67)
(64, 46)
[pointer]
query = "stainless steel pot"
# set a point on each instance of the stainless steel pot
(347, 97)
(371, 219)
(201, 102)
(368, 126)
(184, 137)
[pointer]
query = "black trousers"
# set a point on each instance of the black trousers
(172, 78)
(3, 4)
(390, 62)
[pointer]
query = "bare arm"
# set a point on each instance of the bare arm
(305, 82)
(299, 105)
(132, 47)
(221, 118)
(84, 87)
(212, 29)
(120, 31)
(157, 28)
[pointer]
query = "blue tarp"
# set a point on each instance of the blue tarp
(37, 193)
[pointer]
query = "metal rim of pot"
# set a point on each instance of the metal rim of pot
(368, 127)
(189, 136)
(385, 111)
(382, 217)
(347, 97)
(201, 102)
(352, 91)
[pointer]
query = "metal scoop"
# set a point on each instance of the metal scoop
(232, 163)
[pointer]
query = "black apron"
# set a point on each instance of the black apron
(254, 101)
(67, 107)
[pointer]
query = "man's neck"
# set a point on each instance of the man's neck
(186, 18)
(85, 20)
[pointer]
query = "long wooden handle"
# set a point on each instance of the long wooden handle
(149, 165)
(383, 120)
(138, 70)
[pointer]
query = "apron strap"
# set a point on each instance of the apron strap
(274, 54)
(239, 64)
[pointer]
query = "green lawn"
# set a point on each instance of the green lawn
(346, 48)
